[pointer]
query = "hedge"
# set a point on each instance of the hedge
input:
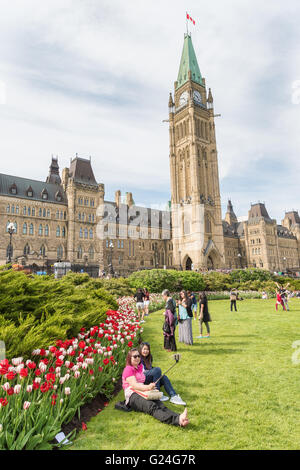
(37, 310)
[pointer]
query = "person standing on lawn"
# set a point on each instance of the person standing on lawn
(170, 304)
(140, 296)
(204, 316)
(192, 296)
(284, 294)
(154, 373)
(133, 378)
(185, 316)
(233, 299)
(146, 301)
(279, 300)
(169, 331)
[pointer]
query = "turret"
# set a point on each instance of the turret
(210, 100)
(171, 104)
(230, 216)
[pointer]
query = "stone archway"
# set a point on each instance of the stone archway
(188, 264)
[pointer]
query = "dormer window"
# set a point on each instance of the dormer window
(13, 189)
(58, 196)
(44, 194)
(29, 192)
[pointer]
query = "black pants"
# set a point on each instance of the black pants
(233, 303)
(154, 408)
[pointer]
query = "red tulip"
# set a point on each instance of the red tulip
(10, 375)
(24, 372)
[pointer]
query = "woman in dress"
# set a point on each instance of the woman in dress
(134, 379)
(185, 316)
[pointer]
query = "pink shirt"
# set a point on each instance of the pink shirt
(131, 371)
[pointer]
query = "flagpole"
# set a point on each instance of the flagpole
(186, 19)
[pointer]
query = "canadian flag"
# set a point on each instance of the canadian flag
(190, 18)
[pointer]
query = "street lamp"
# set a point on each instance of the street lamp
(180, 265)
(11, 229)
(111, 269)
(284, 266)
(240, 258)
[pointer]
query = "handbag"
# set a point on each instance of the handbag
(148, 394)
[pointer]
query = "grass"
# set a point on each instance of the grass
(241, 386)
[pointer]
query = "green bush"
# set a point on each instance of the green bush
(35, 311)
(156, 280)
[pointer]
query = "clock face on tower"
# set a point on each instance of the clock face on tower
(183, 98)
(197, 97)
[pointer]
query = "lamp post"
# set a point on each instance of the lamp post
(11, 229)
(155, 256)
(180, 265)
(284, 264)
(111, 269)
(240, 258)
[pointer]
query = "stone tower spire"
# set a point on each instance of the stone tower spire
(230, 216)
(195, 194)
(53, 176)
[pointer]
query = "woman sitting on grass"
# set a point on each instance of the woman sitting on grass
(152, 374)
(133, 378)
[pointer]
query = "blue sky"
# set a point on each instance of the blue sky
(94, 78)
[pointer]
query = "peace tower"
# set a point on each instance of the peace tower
(195, 195)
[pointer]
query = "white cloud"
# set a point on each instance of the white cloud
(93, 77)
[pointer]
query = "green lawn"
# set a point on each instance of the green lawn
(241, 386)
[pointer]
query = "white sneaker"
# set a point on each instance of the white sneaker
(177, 400)
(164, 398)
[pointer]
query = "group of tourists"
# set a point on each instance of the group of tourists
(140, 376)
(187, 310)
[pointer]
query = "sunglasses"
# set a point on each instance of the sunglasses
(137, 355)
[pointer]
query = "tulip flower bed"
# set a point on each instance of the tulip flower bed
(38, 396)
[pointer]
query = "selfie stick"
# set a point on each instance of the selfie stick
(176, 357)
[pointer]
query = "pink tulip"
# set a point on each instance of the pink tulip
(6, 386)
(26, 405)
(17, 361)
(17, 389)
(67, 391)
(29, 388)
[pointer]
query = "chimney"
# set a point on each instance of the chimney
(129, 199)
(118, 198)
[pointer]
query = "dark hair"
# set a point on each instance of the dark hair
(203, 296)
(129, 356)
(146, 360)
(184, 294)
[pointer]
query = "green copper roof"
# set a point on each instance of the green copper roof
(188, 62)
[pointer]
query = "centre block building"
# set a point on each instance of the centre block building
(67, 218)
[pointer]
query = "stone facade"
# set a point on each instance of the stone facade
(67, 218)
